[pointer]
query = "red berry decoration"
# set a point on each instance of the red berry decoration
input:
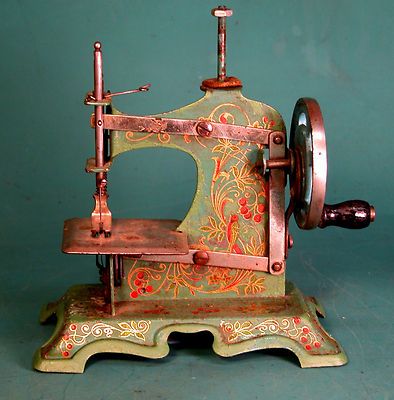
(317, 344)
(304, 339)
(257, 218)
(305, 330)
(234, 218)
(222, 118)
(141, 290)
(137, 282)
(140, 275)
(69, 346)
(65, 353)
(261, 208)
(242, 201)
(248, 215)
(297, 320)
(244, 210)
(265, 119)
(149, 289)
(308, 347)
(134, 294)
(73, 327)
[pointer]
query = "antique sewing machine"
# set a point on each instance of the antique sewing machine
(221, 269)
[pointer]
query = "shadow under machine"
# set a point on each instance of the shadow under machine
(221, 269)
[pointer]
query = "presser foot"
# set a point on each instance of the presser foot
(86, 327)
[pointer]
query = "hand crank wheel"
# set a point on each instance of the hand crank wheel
(309, 173)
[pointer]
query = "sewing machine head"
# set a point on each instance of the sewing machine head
(222, 268)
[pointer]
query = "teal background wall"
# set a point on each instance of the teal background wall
(340, 52)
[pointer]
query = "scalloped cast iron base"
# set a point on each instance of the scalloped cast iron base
(86, 327)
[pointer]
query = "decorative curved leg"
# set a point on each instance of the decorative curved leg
(86, 327)
(297, 329)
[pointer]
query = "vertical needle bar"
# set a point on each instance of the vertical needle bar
(98, 111)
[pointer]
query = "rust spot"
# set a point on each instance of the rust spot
(205, 310)
(230, 82)
(157, 311)
(261, 308)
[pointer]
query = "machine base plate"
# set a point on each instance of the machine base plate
(85, 327)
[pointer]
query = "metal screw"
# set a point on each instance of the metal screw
(278, 139)
(277, 267)
(222, 12)
(200, 258)
(99, 122)
(204, 128)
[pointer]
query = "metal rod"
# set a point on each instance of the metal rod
(98, 112)
(101, 216)
(279, 163)
(221, 12)
(112, 284)
(221, 49)
(143, 88)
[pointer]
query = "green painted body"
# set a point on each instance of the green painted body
(245, 310)
(228, 184)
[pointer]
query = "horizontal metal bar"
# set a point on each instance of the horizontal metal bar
(185, 127)
(214, 259)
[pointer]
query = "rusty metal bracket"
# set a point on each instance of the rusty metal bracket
(277, 228)
(90, 166)
(214, 259)
(90, 100)
(182, 127)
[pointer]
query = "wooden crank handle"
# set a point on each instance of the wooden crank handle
(351, 214)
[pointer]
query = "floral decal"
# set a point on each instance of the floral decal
(292, 328)
(177, 278)
(232, 214)
(237, 194)
(79, 335)
(265, 123)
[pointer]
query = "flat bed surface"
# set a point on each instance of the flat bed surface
(128, 236)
